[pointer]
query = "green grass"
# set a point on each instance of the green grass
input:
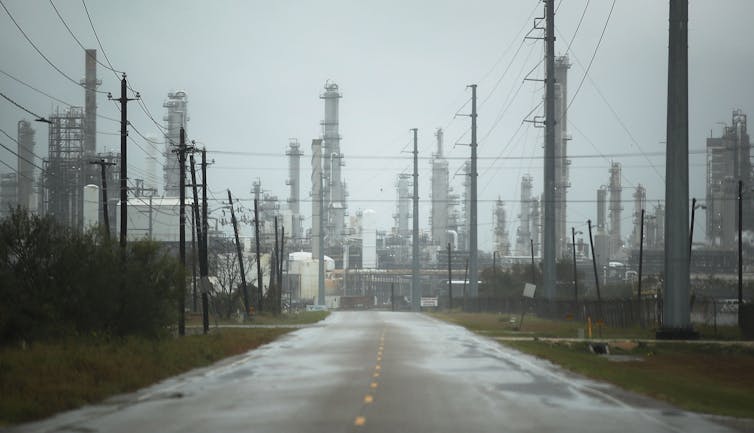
(298, 318)
(45, 378)
(709, 378)
(500, 325)
(702, 378)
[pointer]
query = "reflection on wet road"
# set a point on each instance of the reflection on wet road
(379, 372)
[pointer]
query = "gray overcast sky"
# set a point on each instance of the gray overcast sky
(254, 70)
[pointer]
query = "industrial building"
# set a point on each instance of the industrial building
(501, 241)
(562, 163)
(439, 194)
(175, 119)
(728, 162)
(334, 187)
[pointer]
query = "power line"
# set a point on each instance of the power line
(42, 92)
(79, 42)
(594, 54)
(99, 43)
(28, 39)
(38, 117)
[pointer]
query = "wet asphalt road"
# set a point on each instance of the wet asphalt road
(379, 372)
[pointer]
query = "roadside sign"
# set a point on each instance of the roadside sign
(428, 302)
(529, 290)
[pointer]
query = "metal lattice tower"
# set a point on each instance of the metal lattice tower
(66, 167)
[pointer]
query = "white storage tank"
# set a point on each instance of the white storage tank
(369, 239)
(91, 206)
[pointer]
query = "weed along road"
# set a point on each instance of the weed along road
(379, 372)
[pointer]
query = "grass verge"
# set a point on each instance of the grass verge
(704, 378)
(709, 378)
(298, 318)
(46, 378)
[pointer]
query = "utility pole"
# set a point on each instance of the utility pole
(641, 260)
(676, 309)
(274, 271)
(123, 159)
(594, 265)
(533, 267)
(473, 249)
(194, 258)
(240, 258)
(548, 235)
(204, 260)
(260, 293)
(181, 231)
(196, 229)
(575, 272)
(450, 282)
(415, 285)
(105, 214)
(740, 252)
(279, 301)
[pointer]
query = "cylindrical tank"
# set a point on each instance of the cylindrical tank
(91, 206)
(369, 239)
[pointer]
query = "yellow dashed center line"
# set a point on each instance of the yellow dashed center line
(359, 421)
(373, 385)
(368, 399)
(378, 367)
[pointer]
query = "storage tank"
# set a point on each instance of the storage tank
(91, 206)
(369, 239)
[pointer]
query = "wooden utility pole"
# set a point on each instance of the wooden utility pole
(197, 229)
(240, 258)
(260, 293)
(204, 260)
(181, 230)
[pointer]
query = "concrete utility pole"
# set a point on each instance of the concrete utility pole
(105, 214)
(240, 258)
(415, 284)
(548, 248)
(676, 309)
(473, 249)
(123, 159)
(204, 263)
(181, 229)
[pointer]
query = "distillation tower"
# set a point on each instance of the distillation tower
(294, 154)
(523, 235)
(616, 208)
(333, 189)
(502, 243)
(440, 191)
(175, 119)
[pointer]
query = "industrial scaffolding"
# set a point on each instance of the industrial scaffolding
(65, 168)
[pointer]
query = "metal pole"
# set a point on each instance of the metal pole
(450, 281)
(575, 273)
(275, 286)
(415, 287)
(740, 252)
(279, 303)
(691, 229)
(641, 261)
(473, 248)
(194, 257)
(240, 257)
(548, 248)
(465, 278)
(676, 308)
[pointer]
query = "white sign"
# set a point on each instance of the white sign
(529, 290)
(429, 302)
